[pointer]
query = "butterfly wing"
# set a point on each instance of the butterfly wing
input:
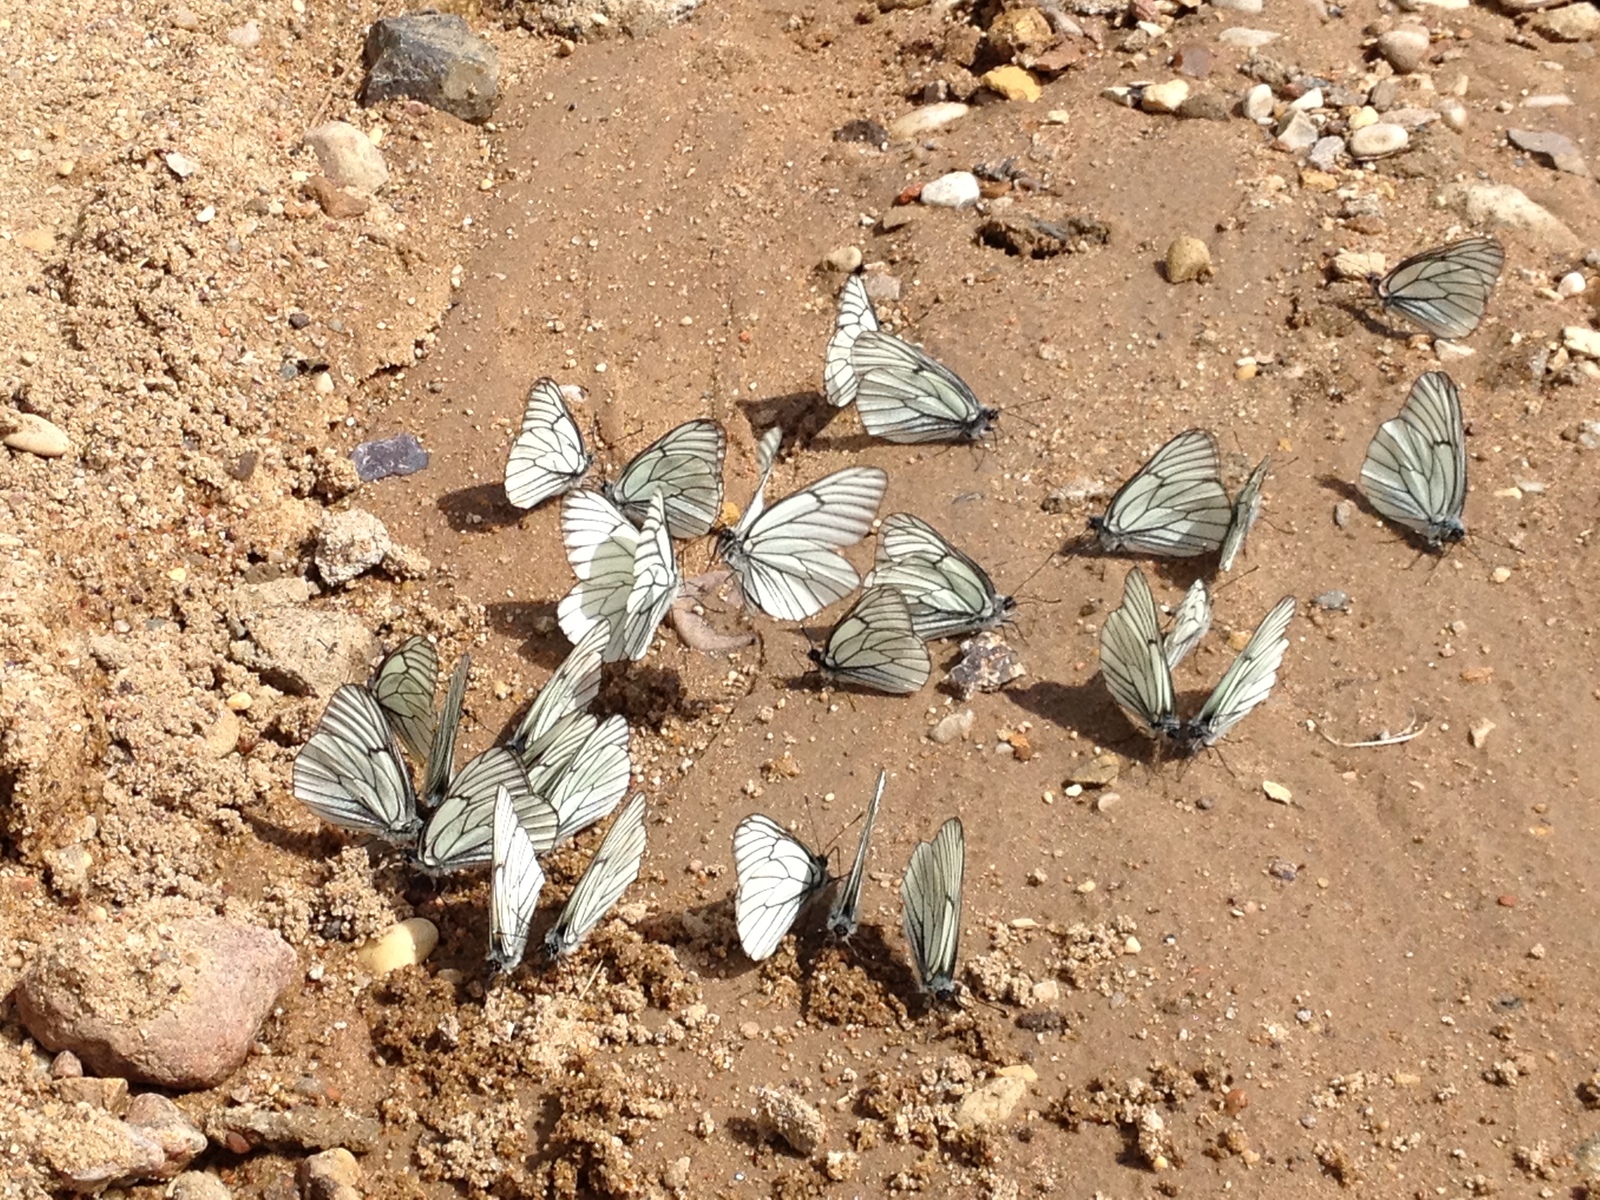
(846, 906)
(1445, 289)
(683, 466)
(1174, 505)
(570, 690)
(948, 593)
(1132, 662)
(442, 753)
(548, 456)
(514, 886)
(1246, 508)
(350, 772)
(777, 876)
(1247, 681)
(403, 686)
(610, 873)
(856, 316)
(460, 832)
(1415, 472)
(601, 543)
(591, 786)
(655, 583)
(930, 896)
(1189, 624)
(904, 396)
(876, 645)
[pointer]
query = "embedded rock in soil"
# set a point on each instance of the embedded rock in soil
(401, 454)
(926, 119)
(1499, 205)
(1572, 23)
(88, 1150)
(435, 58)
(347, 157)
(331, 1175)
(304, 1128)
(784, 1115)
(198, 1185)
(164, 1123)
(349, 544)
(303, 651)
(991, 1103)
(1556, 149)
(173, 1002)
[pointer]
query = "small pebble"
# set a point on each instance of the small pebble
(1205, 803)
(401, 454)
(1479, 733)
(1500, 574)
(32, 434)
(1571, 284)
(1165, 97)
(843, 259)
(1406, 48)
(1454, 114)
(1276, 792)
(1188, 258)
(925, 120)
(1013, 83)
(1192, 60)
(956, 725)
(246, 36)
(180, 165)
(403, 945)
(1296, 132)
(750, 1031)
(958, 189)
(299, 320)
(868, 133)
(1379, 141)
(1333, 600)
(1257, 103)
(1247, 39)
(1326, 152)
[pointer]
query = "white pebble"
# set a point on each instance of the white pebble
(1454, 114)
(1378, 141)
(959, 189)
(1165, 97)
(1572, 284)
(1247, 39)
(34, 435)
(1257, 104)
(925, 120)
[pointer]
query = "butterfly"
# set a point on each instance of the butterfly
(1415, 472)
(1246, 683)
(570, 690)
(904, 396)
(1174, 505)
(1444, 289)
(846, 906)
(403, 686)
(627, 577)
(1189, 624)
(1246, 508)
(350, 772)
(948, 594)
(566, 802)
(514, 887)
(614, 867)
(548, 456)
(442, 750)
(460, 831)
(786, 557)
(876, 645)
(778, 875)
(930, 896)
(683, 466)
(855, 317)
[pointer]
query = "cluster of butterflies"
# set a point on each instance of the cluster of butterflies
(562, 770)
(779, 876)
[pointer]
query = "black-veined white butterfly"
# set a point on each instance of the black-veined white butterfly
(514, 887)
(441, 762)
(1246, 508)
(1415, 472)
(548, 456)
(1134, 663)
(778, 876)
(684, 467)
(930, 895)
(1246, 683)
(1174, 505)
(1444, 289)
(403, 685)
(948, 594)
(843, 915)
(786, 557)
(612, 870)
(585, 792)
(904, 396)
(1189, 624)
(460, 831)
(570, 690)
(876, 645)
(350, 772)
(627, 577)
(855, 317)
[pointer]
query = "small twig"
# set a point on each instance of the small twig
(1412, 730)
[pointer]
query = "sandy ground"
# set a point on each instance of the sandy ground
(1382, 985)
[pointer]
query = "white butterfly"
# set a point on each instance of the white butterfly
(777, 877)
(947, 592)
(403, 685)
(1246, 683)
(627, 577)
(612, 870)
(1174, 505)
(570, 690)
(548, 456)
(350, 772)
(1444, 289)
(904, 396)
(584, 792)
(1189, 624)
(460, 831)
(1246, 508)
(876, 645)
(786, 557)
(930, 895)
(514, 887)
(1133, 663)
(855, 317)
(846, 906)
(685, 467)
(1415, 472)
(442, 751)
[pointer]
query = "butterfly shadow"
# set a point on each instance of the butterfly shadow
(801, 415)
(698, 928)
(896, 991)
(481, 508)
(533, 624)
(1361, 312)
(1349, 491)
(323, 844)
(646, 695)
(1087, 709)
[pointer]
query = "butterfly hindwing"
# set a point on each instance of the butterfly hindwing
(1174, 505)
(777, 877)
(905, 396)
(350, 772)
(683, 467)
(876, 645)
(1246, 683)
(855, 316)
(1415, 472)
(548, 457)
(610, 873)
(403, 685)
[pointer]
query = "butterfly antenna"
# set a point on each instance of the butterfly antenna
(588, 983)
(1232, 579)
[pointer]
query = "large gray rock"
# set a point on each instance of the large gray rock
(1501, 206)
(1572, 23)
(434, 58)
(176, 1002)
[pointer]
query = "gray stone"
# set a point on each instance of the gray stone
(1555, 148)
(434, 58)
(1325, 153)
(1499, 205)
(1573, 23)
(300, 650)
(176, 1002)
(1378, 141)
(1406, 48)
(401, 454)
(198, 1185)
(348, 159)
(331, 1175)
(304, 1128)
(349, 544)
(1296, 132)
(1385, 94)
(89, 1150)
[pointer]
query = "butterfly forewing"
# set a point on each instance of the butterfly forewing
(1415, 472)
(403, 685)
(1247, 681)
(876, 645)
(655, 585)
(930, 895)
(514, 887)
(777, 876)
(1246, 508)
(1133, 663)
(350, 772)
(571, 689)
(591, 786)
(1189, 624)
(460, 831)
(1174, 505)
(1445, 289)
(947, 592)
(683, 467)
(856, 316)
(905, 396)
(548, 456)
(842, 917)
(442, 753)
(601, 543)
(610, 873)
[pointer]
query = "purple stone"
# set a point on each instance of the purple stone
(401, 454)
